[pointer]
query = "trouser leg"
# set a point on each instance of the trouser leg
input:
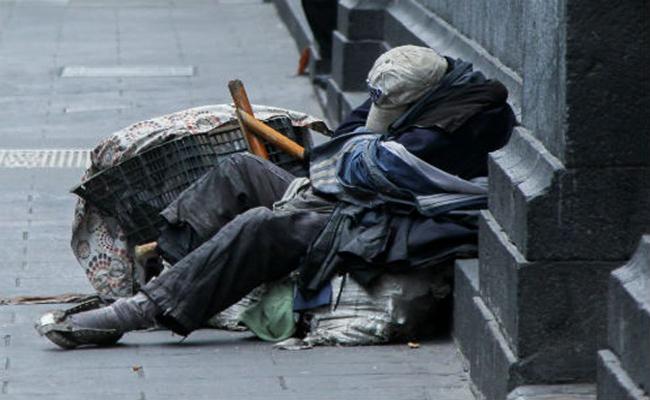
(238, 183)
(256, 247)
(321, 15)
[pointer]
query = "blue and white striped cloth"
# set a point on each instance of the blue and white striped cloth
(362, 168)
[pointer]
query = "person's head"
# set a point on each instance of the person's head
(398, 78)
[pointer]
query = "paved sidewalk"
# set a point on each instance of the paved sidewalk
(220, 40)
(219, 365)
(40, 109)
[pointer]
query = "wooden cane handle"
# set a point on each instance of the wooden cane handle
(240, 98)
(260, 129)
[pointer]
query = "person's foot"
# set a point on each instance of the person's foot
(94, 322)
(60, 327)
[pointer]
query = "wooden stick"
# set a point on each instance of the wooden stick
(146, 250)
(271, 135)
(240, 98)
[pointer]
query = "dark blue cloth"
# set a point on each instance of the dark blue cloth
(361, 168)
(322, 298)
(393, 167)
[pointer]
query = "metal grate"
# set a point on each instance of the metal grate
(44, 158)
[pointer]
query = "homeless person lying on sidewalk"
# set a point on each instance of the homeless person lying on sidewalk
(397, 188)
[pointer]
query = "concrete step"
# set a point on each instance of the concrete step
(614, 383)
(580, 391)
(628, 330)
(490, 359)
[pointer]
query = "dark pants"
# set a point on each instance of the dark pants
(322, 15)
(243, 243)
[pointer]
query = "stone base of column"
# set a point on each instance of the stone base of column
(495, 370)
(614, 383)
(551, 313)
(487, 353)
(623, 368)
(340, 103)
(520, 321)
(352, 60)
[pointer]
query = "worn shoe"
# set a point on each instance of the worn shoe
(57, 327)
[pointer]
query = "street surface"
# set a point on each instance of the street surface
(72, 72)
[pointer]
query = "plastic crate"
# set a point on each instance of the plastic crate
(136, 190)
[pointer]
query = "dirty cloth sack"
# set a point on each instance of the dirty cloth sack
(98, 242)
(397, 307)
(394, 308)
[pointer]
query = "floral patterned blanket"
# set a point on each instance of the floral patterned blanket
(98, 242)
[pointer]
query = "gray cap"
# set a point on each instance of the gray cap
(398, 78)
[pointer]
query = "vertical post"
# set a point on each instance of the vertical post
(240, 98)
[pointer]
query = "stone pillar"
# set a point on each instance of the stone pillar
(569, 198)
(624, 367)
(357, 42)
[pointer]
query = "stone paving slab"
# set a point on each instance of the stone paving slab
(35, 226)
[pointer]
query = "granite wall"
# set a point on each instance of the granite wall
(496, 25)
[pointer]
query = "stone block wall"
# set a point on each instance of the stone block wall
(496, 25)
